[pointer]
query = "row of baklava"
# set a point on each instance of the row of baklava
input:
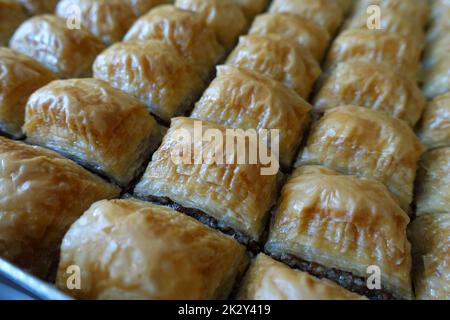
(346, 228)
(336, 226)
(430, 232)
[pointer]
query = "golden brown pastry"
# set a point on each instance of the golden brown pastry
(343, 223)
(325, 13)
(225, 17)
(35, 7)
(240, 98)
(185, 30)
(417, 11)
(440, 24)
(11, 17)
(391, 21)
(67, 53)
(367, 143)
(95, 124)
(268, 279)
(238, 196)
(437, 67)
(435, 125)
(109, 20)
(20, 76)
(303, 32)
(41, 195)
(430, 236)
(433, 186)
(278, 58)
(252, 7)
(129, 249)
(374, 86)
(377, 46)
(152, 71)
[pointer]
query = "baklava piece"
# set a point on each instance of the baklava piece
(225, 17)
(95, 124)
(240, 98)
(35, 7)
(67, 53)
(11, 17)
(433, 183)
(279, 59)
(304, 32)
(367, 143)
(337, 226)
(252, 7)
(41, 194)
(152, 71)
(391, 21)
(129, 249)
(374, 86)
(190, 173)
(268, 279)
(107, 19)
(325, 13)
(430, 237)
(436, 73)
(435, 124)
(417, 11)
(186, 31)
(20, 76)
(377, 46)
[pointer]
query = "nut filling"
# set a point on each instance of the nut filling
(343, 278)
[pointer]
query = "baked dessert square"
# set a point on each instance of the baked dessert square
(109, 20)
(41, 195)
(67, 53)
(304, 32)
(418, 11)
(377, 46)
(268, 279)
(366, 143)
(225, 17)
(325, 13)
(337, 226)
(240, 98)
(391, 21)
(185, 173)
(186, 31)
(278, 58)
(434, 129)
(433, 183)
(374, 86)
(152, 71)
(129, 249)
(95, 124)
(19, 78)
(436, 74)
(430, 236)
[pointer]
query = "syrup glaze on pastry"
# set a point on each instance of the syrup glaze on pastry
(129, 249)
(19, 78)
(41, 195)
(344, 223)
(67, 53)
(91, 122)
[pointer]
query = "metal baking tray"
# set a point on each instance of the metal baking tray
(16, 284)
